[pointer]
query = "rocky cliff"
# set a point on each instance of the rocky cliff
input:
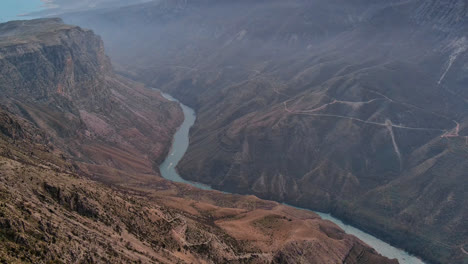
(78, 148)
(72, 60)
(358, 108)
(58, 77)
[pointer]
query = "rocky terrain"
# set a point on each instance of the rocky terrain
(50, 213)
(358, 108)
(79, 148)
(59, 78)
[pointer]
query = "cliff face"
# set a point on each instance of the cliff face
(58, 77)
(354, 107)
(54, 144)
(72, 60)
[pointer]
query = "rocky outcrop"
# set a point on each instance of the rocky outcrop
(58, 77)
(72, 60)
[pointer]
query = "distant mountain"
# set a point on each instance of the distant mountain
(79, 152)
(358, 108)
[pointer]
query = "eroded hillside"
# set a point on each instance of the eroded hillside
(78, 150)
(358, 108)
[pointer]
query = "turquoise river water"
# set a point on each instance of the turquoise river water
(179, 147)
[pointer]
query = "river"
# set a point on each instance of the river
(180, 145)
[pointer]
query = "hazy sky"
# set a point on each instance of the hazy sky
(10, 9)
(68, 5)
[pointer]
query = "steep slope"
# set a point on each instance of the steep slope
(58, 77)
(77, 149)
(49, 213)
(358, 108)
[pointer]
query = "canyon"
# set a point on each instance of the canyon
(357, 108)
(80, 148)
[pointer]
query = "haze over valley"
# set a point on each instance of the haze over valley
(353, 108)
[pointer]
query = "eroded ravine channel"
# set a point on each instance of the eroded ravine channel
(179, 147)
